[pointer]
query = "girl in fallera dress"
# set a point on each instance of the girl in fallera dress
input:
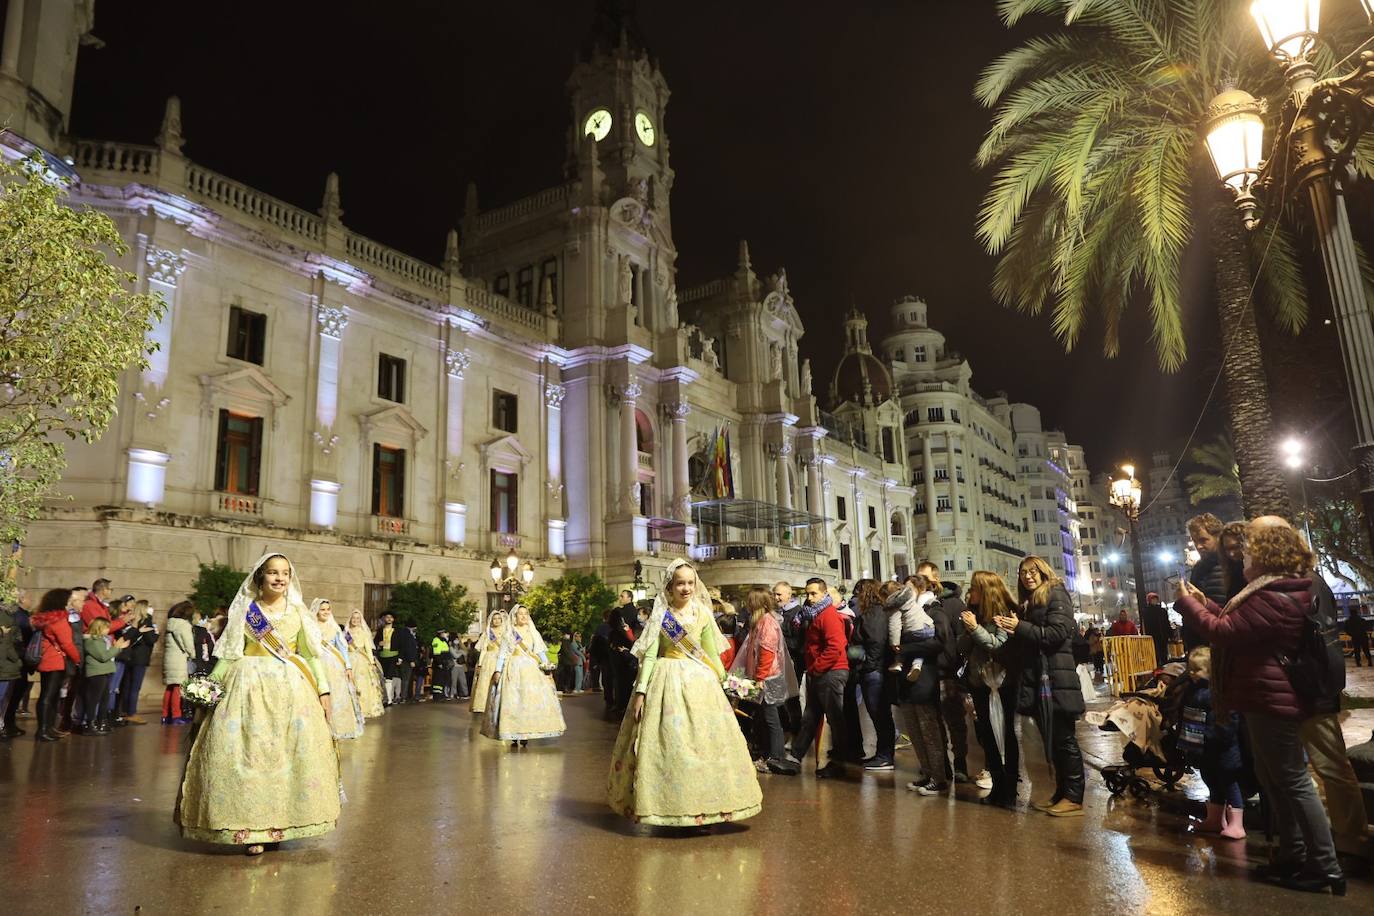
(489, 650)
(263, 767)
(523, 704)
(367, 673)
(680, 759)
(345, 713)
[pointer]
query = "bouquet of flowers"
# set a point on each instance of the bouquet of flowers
(741, 688)
(202, 691)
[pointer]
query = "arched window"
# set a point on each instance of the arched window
(898, 527)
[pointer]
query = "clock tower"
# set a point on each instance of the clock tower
(618, 97)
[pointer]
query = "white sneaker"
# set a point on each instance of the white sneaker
(915, 673)
(983, 780)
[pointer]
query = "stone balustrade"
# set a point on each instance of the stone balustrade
(238, 504)
(120, 158)
(214, 188)
(375, 254)
(486, 301)
(547, 199)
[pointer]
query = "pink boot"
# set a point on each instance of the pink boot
(1235, 824)
(1215, 819)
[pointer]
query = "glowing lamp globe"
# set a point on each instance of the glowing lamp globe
(1235, 138)
(1288, 27)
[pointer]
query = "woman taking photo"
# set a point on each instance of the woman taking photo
(1263, 621)
(680, 760)
(263, 767)
(1041, 644)
(763, 658)
(58, 648)
(367, 674)
(993, 686)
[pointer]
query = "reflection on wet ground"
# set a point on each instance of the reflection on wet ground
(440, 819)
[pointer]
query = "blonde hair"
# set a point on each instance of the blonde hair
(758, 602)
(1200, 662)
(994, 598)
(1048, 580)
(1279, 551)
(99, 627)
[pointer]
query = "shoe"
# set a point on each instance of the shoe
(12, 732)
(914, 674)
(932, 788)
(903, 743)
(1045, 805)
(1279, 872)
(879, 765)
(915, 785)
(983, 780)
(23, 714)
(959, 777)
(47, 736)
(1215, 819)
(761, 765)
(166, 720)
(118, 722)
(1065, 808)
(784, 768)
(830, 771)
(1319, 884)
(59, 732)
(135, 720)
(1235, 823)
(184, 720)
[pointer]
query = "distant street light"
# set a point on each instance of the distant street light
(1294, 455)
(509, 585)
(1125, 494)
(1322, 123)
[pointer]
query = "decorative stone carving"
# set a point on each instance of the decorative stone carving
(675, 410)
(331, 320)
(151, 409)
(708, 352)
(625, 283)
(670, 305)
(775, 354)
(555, 490)
(164, 266)
(454, 469)
(326, 445)
(632, 390)
(806, 377)
(457, 362)
(554, 394)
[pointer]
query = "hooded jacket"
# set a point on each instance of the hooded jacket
(950, 607)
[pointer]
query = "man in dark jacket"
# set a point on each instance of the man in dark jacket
(1357, 628)
(794, 638)
(598, 655)
(954, 699)
(876, 691)
(11, 665)
(1155, 621)
(408, 657)
(1207, 574)
(20, 689)
(625, 629)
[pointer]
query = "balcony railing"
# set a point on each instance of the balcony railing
(389, 526)
(238, 504)
(505, 539)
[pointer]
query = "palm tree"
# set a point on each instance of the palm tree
(1217, 476)
(1102, 181)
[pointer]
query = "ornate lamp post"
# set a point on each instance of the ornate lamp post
(1319, 128)
(1125, 495)
(509, 585)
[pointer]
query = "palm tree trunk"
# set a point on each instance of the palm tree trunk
(1263, 488)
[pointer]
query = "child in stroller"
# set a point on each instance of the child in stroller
(1150, 721)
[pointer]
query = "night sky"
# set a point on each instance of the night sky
(836, 138)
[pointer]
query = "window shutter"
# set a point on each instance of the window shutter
(513, 512)
(376, 479)
(255, 458)
(493, 498)
(222, 453)
(399, 510)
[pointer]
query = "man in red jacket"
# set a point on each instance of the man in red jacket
(97, 606)
(827, 670)
(1123, 626)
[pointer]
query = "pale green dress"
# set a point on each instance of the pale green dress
(685, 763)
(263, 767)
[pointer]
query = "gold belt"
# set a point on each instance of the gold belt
(256, 648)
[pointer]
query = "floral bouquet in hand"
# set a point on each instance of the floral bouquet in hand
(202, 692)
(741, 688)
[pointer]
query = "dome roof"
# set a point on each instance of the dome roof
(861, 378)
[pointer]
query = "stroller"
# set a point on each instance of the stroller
(1136, 716)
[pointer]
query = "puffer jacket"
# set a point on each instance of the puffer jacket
(873, 632)
(952, 603)
(1207, 577)
(59, 650)
(178, 648)
(1045, 635)
(1267, 621)
(11, 665)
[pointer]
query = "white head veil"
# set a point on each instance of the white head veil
(230, 645)
(534, 642)
(700, 603)
(315, 614)
(505, 625)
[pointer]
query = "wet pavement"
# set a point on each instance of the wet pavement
(439, 819)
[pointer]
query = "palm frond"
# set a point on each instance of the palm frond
(1047, 53)
(1280, 284)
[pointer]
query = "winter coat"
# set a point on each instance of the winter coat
(873, 634)
(1208, 577)
(100, 656)
(926, 689)
(1245, 641)
(178, 648)
(59, 649)
(1045, 636)
(11, 664)
(951, 602)
(140, 650)
(1221, 731)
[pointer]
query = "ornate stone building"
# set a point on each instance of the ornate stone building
(546, 389)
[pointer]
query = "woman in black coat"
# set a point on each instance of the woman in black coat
(1042, 644)
(142, 636)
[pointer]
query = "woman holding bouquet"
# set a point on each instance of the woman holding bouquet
(367, 674)
(763, 659)
(680, 759)
(489, 649)
(345, 713)
(262, 766)
(525, 704)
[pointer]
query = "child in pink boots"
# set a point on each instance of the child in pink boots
(1211, 742)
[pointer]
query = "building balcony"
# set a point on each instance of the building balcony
(1004, 548)
(238, 505)
(390, 526)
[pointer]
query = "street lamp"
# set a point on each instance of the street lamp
(1319, 128)
(1294, 455)
(507, 583)
(1125, 495)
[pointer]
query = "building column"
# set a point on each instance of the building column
(456, 362)
(146, 462)
(14, 30)
(953, 480)
(624, 396)
(556, 525)
(781, 456)
(928, 462)
(815, 499)
(330, 322)
(164, 271)
(676, 413)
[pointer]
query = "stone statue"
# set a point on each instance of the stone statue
(806, 377)
(776, 353)
(708, 352)
(625, 291)
(671, 306)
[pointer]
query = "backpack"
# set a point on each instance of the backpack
(1316, 667)
(33, 652)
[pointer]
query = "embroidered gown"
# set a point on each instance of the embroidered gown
(263, 767)
(367, 674)
(529, 705)
(490, 644)
(345, 713)
(685, 763)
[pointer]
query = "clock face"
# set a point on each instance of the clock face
(598, 124)
(645, 129)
